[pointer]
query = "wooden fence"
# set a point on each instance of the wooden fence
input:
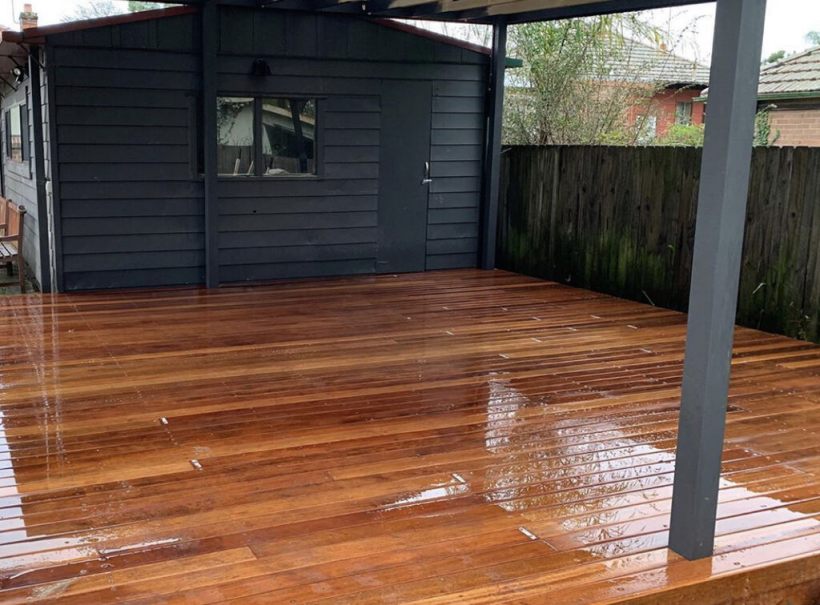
(622, 220)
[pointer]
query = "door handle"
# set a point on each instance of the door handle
(426, 180)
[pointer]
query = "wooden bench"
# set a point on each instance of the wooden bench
(4, 214)
(11, 240)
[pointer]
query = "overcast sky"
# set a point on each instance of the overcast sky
(787, 22)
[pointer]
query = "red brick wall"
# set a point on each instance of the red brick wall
(797, 127)
(666, 104)
(663, 106)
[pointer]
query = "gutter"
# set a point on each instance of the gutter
(777, 96)
(784, 96)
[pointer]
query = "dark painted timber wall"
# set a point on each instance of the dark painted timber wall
(131, 198)
(18, 179)
(621, 220)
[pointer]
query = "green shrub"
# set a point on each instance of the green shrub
(683, 135)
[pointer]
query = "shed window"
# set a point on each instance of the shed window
(17, 133)
(266, 136)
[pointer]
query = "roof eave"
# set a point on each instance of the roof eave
(784, 96)
(37, 35)
(684, 84)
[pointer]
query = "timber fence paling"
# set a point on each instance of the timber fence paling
(621, 220)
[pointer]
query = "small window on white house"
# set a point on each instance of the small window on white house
(647, 128)
(683, 113)
(266, 136)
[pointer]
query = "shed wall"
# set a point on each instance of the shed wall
(130, 201)
(131, 198)
(18, 178)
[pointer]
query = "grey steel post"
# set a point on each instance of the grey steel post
(210, 38)
(724, 185)
(492, 158)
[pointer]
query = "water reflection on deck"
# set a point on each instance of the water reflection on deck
(459, 436)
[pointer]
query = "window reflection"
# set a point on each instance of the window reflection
(282, 131)
(234, 120)
(289, 140)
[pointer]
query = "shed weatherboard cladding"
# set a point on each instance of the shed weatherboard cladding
(127, 126)
(18, 177)
(130, 201)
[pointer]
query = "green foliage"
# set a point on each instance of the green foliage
(763, 129)
(564, 94)
(813, 38)
(775, 57)
(617, 137)
(683, 135)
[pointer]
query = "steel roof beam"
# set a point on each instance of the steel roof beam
(492, 13)
(478, 11)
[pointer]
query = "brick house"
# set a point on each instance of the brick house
(789, 94)
(662, 89)
(790, 91)
(675, 86)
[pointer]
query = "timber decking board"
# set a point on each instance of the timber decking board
(446, 437)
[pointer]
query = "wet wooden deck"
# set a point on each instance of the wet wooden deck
(451, 437)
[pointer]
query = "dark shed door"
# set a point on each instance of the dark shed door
(403, 183)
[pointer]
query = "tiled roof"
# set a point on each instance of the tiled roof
(797, 74)
(656, 65)
(632, 61)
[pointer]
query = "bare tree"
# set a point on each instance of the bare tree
(94, 9)
(579, 80)
(134, 6)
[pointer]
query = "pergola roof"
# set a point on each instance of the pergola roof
(475, 11)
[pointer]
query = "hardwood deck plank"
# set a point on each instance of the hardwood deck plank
(454, 436)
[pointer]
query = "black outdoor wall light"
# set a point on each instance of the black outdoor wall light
(260, 68)
(19, 73)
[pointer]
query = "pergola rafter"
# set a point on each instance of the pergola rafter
(467, 11)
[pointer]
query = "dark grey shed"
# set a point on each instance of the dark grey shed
(395, 106)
